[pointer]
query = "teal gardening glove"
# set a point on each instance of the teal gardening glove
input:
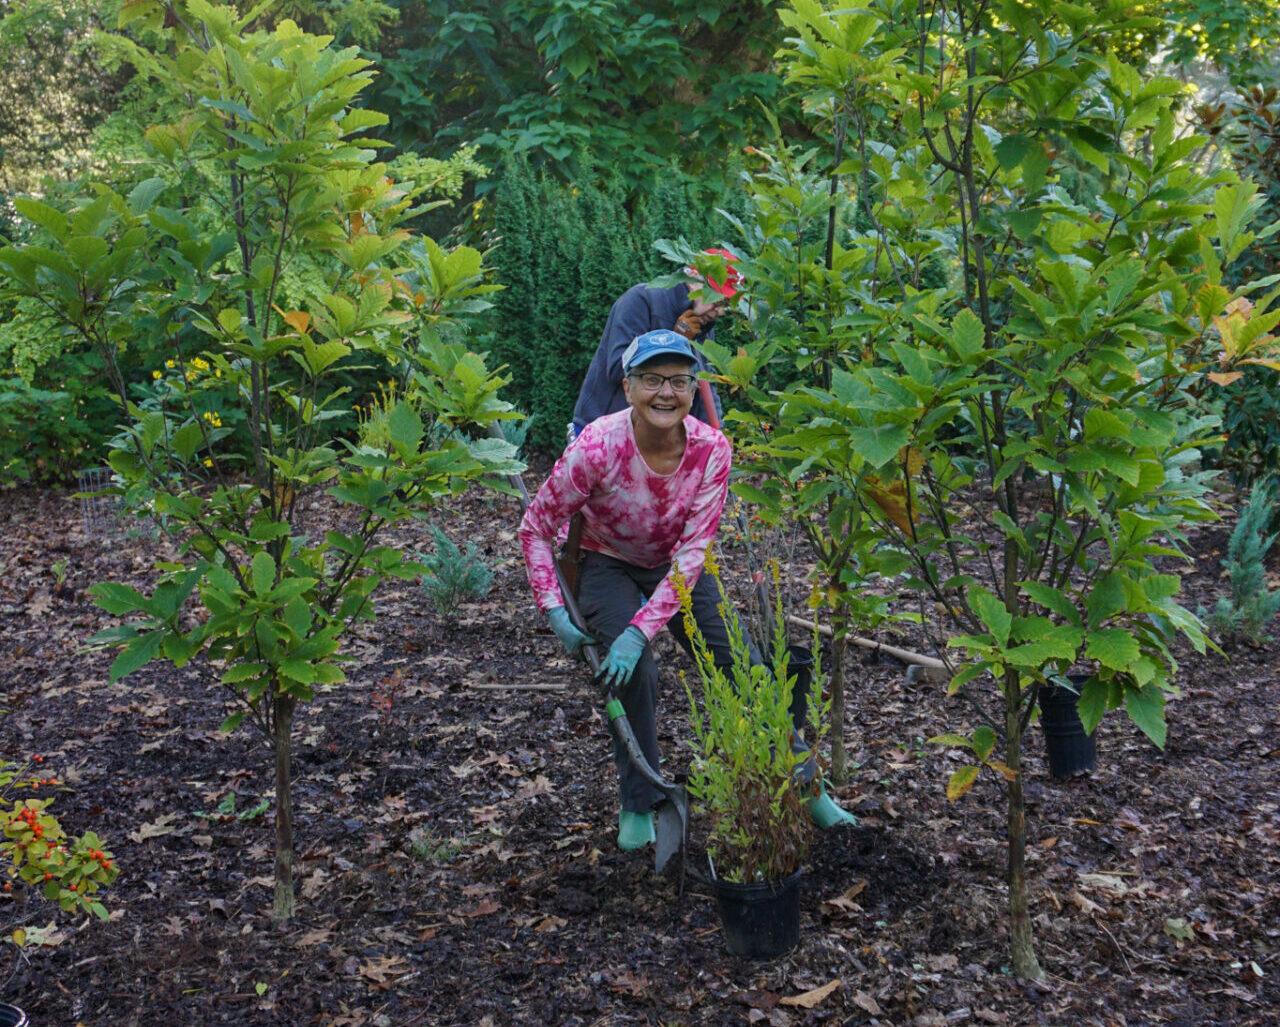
(623, 656)
(570, 637)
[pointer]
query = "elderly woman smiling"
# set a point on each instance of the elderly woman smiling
(651, 483)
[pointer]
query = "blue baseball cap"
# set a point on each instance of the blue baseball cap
(661, 343)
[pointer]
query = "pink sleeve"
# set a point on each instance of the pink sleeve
(561, 496)
(691, 550)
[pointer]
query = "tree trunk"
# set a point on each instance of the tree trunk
(839, 762)
(282, 911)
(1021, 943)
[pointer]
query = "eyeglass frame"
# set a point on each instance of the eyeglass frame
(639, 376)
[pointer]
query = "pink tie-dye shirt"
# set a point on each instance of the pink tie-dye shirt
(628, 511)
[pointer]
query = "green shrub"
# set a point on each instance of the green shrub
(564, 255)
(743, 772)
(1251, 608)
(453, 576)
(1251, 424)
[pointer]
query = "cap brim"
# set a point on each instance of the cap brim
(664, 352)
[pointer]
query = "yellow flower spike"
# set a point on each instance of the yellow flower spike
(711, 563)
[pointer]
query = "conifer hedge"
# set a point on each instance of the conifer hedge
(564, 253)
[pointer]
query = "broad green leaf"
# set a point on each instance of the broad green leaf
(960, 782)
(262, 573)
(878, 444)
(959, 741)
(967, 337)
(984, 740)
(991, 611)
(1113, 647)
(85, 250)
(405, 426)
(1092, 703)
(299, 670)
(141, 651)
(964, 676)
(1052, 599)
(116, 598)
(49, 218)
(233, 721)
(1107, 598)
(1146, 709)
(186, 440)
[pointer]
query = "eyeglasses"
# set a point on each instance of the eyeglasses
(651, 382)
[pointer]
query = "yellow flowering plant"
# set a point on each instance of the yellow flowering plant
(743, 776)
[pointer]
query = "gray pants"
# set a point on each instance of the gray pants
(609, 594)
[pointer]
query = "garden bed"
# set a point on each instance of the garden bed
(456, 852)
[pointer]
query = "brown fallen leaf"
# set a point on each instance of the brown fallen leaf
(1108, 883)
(485, 908)
(867, 1003)
(383, 970)
(156, 829)
(628, 983)
(844, 901)
(540, 785)
(315, 936)
(47, 937)
(758, 999)
(812, 998)
(1083, 904)
(550, 923)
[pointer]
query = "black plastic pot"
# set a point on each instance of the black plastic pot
(801, 665)
(760, 921)
(1071, 750)
(12, 1016)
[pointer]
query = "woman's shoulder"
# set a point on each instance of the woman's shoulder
(702, 434)
(602, 436)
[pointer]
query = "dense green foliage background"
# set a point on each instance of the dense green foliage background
(573, 134)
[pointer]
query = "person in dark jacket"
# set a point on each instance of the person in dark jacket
(645, 309)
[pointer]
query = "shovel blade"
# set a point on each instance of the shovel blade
(671, 824)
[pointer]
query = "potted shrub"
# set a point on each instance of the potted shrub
(38, 854)
(743, 779)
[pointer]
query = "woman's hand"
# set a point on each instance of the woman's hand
(623, 656)
(570, 637)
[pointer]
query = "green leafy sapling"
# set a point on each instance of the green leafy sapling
(267, 169)
(743, 774)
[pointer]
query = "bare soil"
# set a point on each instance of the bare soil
(457, 862)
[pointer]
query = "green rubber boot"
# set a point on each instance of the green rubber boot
(826, 813)
(636, 830)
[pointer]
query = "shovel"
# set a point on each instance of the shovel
(671, 815)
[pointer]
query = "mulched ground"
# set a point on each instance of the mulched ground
(457, 861)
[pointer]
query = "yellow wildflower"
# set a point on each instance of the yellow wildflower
(212, 417)
(169, 364)
(199, 363)
(156, 375)
(207, 462)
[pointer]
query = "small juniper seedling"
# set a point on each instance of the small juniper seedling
(1251, 607)
(453, 576)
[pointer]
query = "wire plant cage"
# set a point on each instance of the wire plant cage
(99, 514)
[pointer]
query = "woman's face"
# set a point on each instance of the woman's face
(663, 408)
